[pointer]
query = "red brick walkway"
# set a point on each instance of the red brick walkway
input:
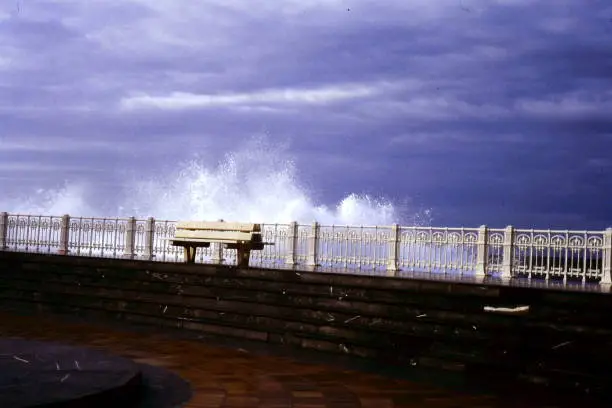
(227, 378)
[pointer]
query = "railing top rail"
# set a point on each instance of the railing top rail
(399, 226)
(558, 231)
(450, 229)
(343, 226)
(350, 226)
(71, 217)
(99, 219)
(33, 215)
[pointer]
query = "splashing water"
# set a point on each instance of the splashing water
(71, 198)
(255, 184)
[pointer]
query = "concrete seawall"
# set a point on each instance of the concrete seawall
(563, 339)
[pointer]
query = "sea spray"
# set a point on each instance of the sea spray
(257, 183)
(69, 198)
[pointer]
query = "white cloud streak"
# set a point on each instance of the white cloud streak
(16, 144)
(568, 106)
(31, 167)
(313, 96)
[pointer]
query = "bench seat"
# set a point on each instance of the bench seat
(244, 237)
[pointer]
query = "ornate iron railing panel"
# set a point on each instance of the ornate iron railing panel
(162, 250)
(495, 250)
(441, 250)
(278, 235)
(550, 253)
(33, 233)
(99, 237)
(352, 247)
(140, 238)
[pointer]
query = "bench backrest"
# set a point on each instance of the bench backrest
(217, 231)
(218, 226)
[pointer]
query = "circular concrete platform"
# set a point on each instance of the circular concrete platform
(50, 375)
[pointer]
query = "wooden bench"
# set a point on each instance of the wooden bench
(243, 237)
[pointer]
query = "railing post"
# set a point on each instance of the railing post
(508, 254)
(313, 245)
(130, 238)
(394, 249)
(149, 241)
(292, 244)
(64, 235)
(606, 277)
(3, 230)
(482, 251)
(217, 251)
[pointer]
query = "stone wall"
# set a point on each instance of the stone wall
(565, 339)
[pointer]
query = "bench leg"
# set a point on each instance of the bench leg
(242, 257)
(190, 253)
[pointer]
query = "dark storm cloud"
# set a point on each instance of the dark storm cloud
(489, 111)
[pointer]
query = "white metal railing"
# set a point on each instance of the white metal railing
(390, 250)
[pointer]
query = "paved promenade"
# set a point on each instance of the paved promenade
(235, 377)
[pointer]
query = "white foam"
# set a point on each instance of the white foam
(70, 198)
(257, 183)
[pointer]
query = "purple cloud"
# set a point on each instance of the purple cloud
(487, 111)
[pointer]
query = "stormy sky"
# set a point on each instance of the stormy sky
(489, 112)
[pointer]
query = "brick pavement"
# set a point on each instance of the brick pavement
(236, 378)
